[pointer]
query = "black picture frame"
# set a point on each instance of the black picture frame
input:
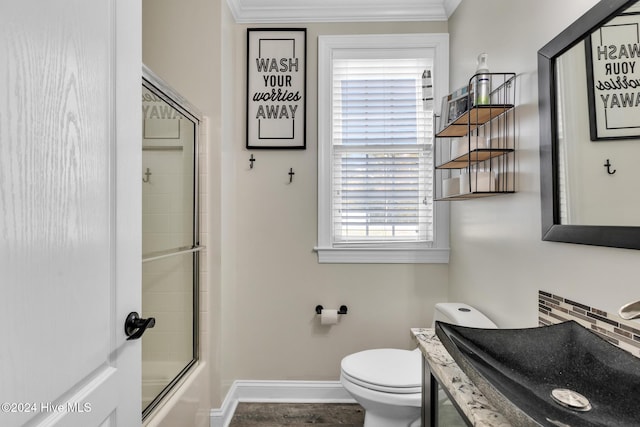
(276, 88)
(613, 110)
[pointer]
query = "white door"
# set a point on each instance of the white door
(69, 212)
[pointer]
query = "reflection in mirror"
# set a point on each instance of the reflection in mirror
(587, 165)
(170, 241)
(167, 172)
(597, 181)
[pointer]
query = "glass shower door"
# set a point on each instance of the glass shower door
(170, 242)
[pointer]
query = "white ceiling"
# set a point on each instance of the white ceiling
(283, 11)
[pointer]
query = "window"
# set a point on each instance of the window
(375, 149)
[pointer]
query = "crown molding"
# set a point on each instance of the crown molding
(290, 11)
(450, 6)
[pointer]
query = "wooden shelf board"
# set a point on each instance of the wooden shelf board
(473, 157)
(474, 195)
(473, 118)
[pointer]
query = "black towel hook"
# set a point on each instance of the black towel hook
(608, 166)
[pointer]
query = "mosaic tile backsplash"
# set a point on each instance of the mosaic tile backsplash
(619, 332)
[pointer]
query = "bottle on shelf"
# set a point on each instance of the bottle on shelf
(483, 81)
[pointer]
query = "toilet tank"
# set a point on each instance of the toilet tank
(462, 315)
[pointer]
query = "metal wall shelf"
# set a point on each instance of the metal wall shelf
(475, 152)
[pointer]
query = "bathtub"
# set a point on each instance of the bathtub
(156, 375)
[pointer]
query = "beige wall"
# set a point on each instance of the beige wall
(271, 278)
(498, 260)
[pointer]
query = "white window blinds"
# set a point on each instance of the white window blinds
(382, 163)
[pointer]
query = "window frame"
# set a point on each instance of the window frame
(436, 251)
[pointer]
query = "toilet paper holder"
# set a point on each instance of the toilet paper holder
(343, 309)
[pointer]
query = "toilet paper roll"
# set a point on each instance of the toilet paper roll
(464, 145)
(329, 317)
(477, 181)
(451, 186)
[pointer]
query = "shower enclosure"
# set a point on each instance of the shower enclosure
(170, 238)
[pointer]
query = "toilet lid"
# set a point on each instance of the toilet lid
(385, 368)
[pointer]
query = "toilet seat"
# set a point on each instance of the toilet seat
(387, 370)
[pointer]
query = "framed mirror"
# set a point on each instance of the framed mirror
(583, 201)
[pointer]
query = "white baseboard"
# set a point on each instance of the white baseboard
(278, 391)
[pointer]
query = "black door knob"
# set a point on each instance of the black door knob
(135, 326)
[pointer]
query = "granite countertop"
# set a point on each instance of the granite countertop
(473, 404)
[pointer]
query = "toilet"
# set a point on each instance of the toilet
(387, 382)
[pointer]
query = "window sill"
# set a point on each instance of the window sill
(329, 255)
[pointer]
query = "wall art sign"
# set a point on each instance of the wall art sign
(613, 78)
(276, 87)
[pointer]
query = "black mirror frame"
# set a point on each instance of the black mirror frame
(552, 230)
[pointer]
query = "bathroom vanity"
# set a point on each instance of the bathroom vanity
(440, 372)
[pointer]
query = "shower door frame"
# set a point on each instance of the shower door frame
(161, 89)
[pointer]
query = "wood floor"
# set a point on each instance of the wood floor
(298, 414)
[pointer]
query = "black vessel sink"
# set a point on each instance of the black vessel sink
(519, 369)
